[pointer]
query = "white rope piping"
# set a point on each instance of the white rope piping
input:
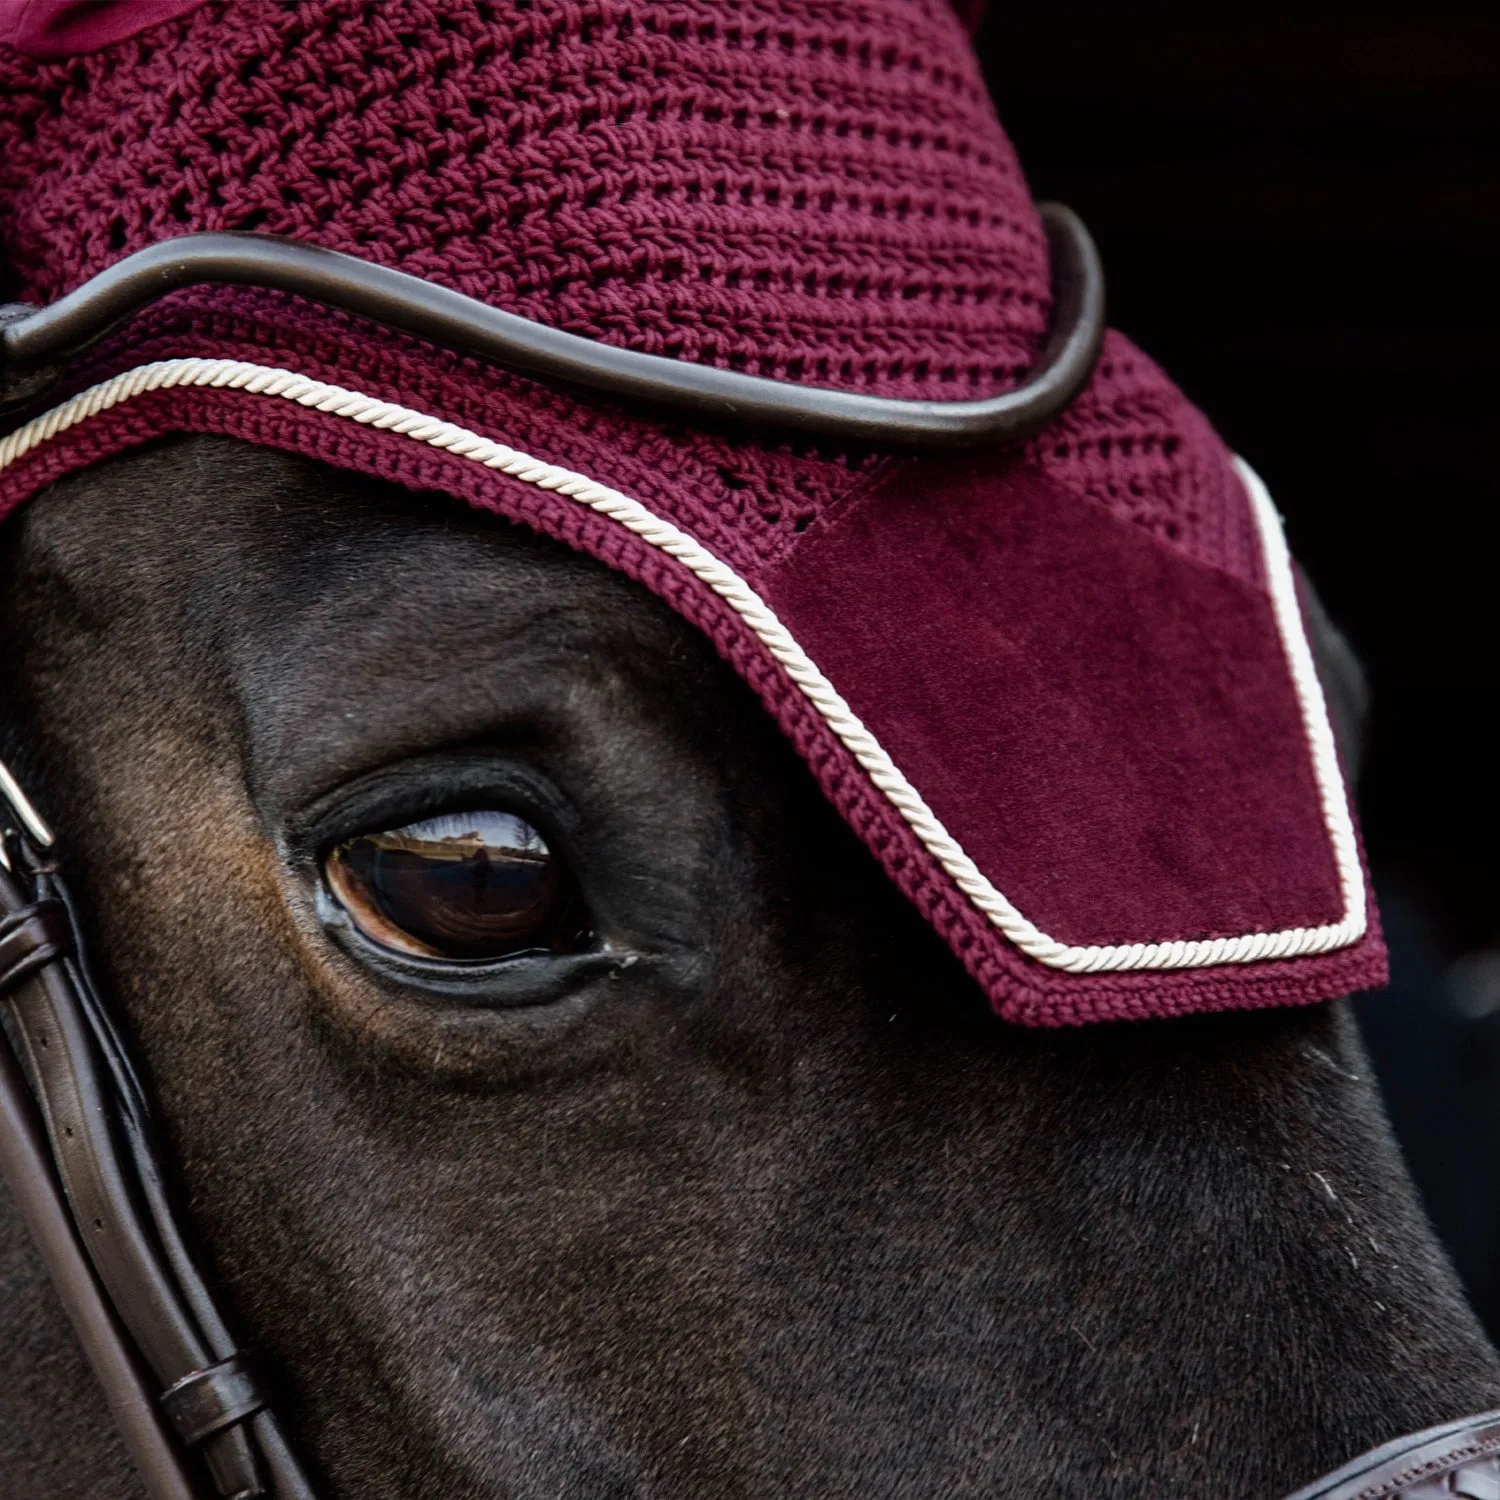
(261, 380)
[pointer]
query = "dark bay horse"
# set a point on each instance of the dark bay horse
(757, 1199)
(560, 1095)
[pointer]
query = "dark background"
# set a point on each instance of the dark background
(1299, 211)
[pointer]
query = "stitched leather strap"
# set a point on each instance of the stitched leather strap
(31, 937)
(207, 1401)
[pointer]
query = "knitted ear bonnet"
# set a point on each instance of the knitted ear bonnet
(1062, 689)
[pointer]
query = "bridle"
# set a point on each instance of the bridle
(77, 1147)
(77, 1141)
(35, 344)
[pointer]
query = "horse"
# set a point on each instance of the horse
(757, 1196)
(590, 1043)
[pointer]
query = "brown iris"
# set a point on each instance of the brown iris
(468, 886)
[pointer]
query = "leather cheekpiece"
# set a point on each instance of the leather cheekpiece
(31, 937)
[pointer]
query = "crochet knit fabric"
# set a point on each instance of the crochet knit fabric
(812, 190)
(815, 190)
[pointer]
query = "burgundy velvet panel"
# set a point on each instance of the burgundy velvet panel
(53, 29)
(1107, 726)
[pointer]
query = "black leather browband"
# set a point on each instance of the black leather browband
(36, 344)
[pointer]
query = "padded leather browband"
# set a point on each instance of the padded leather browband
(37, 343)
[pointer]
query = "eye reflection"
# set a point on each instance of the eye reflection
(466, 886)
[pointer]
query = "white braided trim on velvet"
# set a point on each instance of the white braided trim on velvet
(261, 380)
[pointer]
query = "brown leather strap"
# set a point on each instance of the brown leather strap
(1457, 1459)
(31, 937)
(65, 1068)
(35, 344)
(26, 1166)
(104, 1177)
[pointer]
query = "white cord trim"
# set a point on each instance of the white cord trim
(261, 380)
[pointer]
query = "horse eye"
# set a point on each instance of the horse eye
(466, 886)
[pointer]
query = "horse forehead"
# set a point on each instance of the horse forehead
(288, 549)
(349, 619)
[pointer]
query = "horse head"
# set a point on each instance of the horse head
(661, 955)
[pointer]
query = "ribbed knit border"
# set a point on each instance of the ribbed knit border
(1168, 954)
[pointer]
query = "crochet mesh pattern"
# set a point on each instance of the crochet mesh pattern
(808, 191)
(815, 190)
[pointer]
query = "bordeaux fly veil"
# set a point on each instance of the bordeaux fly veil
(750, 303)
